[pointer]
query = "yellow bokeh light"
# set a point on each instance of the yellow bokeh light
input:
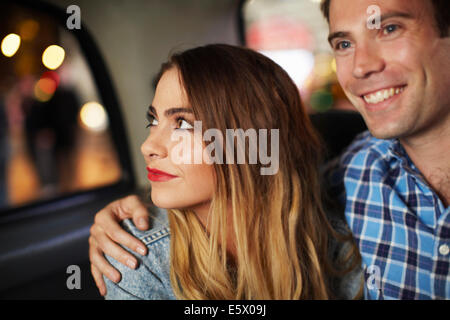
(53, 57)
(42, 90)
(93, 116)
(333, 65)
(28, 29)
(10, 44)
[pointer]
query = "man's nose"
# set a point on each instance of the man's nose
(367, 61)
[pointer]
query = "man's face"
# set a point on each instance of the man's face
(397, 76)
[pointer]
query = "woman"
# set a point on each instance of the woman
(235, 233)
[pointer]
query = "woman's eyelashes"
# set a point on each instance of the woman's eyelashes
(179, 122)
(182, 123)
(151, 120)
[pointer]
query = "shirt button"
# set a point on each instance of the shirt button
(444, 249)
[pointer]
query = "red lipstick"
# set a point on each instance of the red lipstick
(158, 175)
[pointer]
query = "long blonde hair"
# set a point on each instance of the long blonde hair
(280, 229)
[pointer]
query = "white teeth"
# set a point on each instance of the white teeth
(382, 95)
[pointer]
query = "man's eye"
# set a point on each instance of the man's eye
(390, 29)
(343, 45)
(183, 124)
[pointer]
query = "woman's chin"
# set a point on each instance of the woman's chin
(169, 200)
(162, 202)
(166, 200)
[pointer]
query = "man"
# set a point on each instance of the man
(397, 177)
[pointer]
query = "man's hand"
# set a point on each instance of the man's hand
(107, 234)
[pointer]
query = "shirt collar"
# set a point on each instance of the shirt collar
(397, 154)
(396, 150)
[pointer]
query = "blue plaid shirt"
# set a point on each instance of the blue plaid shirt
(401, 226)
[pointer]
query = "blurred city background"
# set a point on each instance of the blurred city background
(55, 133)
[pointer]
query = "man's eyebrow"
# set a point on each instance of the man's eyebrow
(339, 34)
(171, 111)
(397, 14)
(345, 34)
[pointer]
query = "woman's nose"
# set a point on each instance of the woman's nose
(153, 146)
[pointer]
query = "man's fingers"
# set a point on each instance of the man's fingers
(115, 251)
(140, 218)
(98, 280)
(106, 231)
(103, 266)
(119, 235)
(132, 207)
(107, 222)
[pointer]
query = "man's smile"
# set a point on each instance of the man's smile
(382, 95)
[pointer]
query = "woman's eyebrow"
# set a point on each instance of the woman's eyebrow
(171, 111)
(151, 109)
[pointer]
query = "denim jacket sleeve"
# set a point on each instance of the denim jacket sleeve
(151, 279)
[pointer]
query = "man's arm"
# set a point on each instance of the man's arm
(106, 234)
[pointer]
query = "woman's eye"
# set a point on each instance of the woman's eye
(183, 124)
(151, 121)
(390, 29)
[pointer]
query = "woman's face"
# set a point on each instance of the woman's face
(174, 185)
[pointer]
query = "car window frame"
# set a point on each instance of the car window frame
(109, 99)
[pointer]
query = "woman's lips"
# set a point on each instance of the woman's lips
(158, 175)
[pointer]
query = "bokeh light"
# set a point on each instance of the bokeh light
(46, 86)
(28, 29)
(321, 100)
(44, 89)
(53, 57)
(323, 67)
(333, 65)
(51, 75)
(93, 116)
(298, 63)
(10, 44)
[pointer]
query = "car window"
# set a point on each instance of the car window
(55, 131)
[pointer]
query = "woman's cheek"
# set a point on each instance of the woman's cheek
(195, 186)
(200, 182)
(195, 183)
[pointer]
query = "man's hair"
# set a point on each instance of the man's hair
(441, 14)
